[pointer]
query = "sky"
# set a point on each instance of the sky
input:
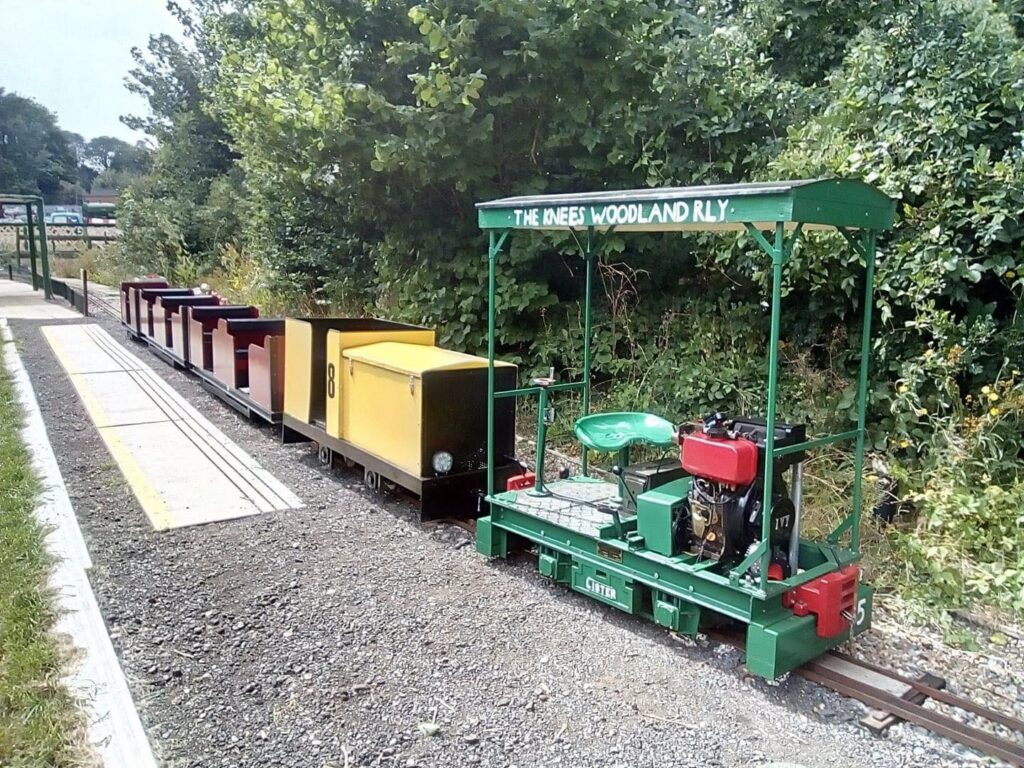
(72, 57)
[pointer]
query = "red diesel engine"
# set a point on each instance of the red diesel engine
(724, 512)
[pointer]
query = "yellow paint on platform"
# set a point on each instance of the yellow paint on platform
(181, 468)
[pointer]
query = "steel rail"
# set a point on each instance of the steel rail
(938, 723)
(943, 725)
(940, 695)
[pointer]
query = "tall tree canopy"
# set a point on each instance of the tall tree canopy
(36, 157)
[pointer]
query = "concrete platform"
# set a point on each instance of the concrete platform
(182, 469)
(19, 302)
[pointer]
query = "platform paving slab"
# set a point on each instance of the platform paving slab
(19, 302)
(182, 469)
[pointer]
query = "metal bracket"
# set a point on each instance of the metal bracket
(857, 246)
(767, 247)
(749, 560)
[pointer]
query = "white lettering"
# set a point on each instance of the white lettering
(591, 585)
(598, 215)
(698, 210)
(680, 212)
(519, 216)
(722, 205)
(861, 612)
(532, 217)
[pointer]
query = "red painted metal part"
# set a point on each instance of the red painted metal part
(519, 482)
(722, 459)
(828, 597)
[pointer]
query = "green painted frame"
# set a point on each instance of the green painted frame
(848, 206)
(35, 221)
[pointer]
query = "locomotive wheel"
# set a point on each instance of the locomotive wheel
(325, 455)
(372, 480)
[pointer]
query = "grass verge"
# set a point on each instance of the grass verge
(39, 723)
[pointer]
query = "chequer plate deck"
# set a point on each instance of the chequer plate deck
(182, 469)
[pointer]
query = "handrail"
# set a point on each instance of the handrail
(524, 391)
(808, 445)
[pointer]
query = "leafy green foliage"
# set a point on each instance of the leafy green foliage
(35, 154)
(968, 539)
(339, 147)
(39, 724)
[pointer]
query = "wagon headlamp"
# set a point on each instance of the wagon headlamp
(442, 462)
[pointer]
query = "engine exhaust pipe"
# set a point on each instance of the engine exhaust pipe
(794, 535)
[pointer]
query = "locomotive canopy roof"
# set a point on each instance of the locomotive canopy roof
(814, 203)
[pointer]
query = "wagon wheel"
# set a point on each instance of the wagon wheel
(325, 455)
(372, 480)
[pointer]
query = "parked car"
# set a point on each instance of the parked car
(65, 218)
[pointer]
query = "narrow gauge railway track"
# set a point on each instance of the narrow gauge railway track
(104, 306)
(849, 683)
(903, 698)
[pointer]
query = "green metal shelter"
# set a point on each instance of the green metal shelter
(775, 215)
(35, 224)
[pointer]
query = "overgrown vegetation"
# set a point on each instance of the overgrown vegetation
(330, 153)
(38, 158)
(39, 724)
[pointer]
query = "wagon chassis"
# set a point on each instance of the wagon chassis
(436, 494)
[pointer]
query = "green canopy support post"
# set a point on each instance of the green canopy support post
(493, 249)
(869, 240)
(29, 224)
(587, 332)
(44, 253)
(778, 254)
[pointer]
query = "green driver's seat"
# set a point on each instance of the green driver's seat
(609, 432)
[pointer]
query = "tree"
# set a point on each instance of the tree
(35, 155)
(107, 153)
(180, 209)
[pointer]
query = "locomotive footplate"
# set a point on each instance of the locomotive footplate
(579, 545)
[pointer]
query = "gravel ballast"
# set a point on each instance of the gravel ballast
(348, 634)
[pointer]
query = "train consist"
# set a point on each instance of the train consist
(712, 533)
(374, 393)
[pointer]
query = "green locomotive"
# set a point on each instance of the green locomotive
(715, 535)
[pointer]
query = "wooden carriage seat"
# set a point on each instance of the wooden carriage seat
(129, 300)
(146, 302)
(201, 323)
(231, 341)
(165, 313)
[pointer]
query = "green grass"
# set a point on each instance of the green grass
(39, 723)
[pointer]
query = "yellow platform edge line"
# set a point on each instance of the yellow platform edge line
(149, 499)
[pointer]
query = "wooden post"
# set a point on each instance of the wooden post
(85, 292)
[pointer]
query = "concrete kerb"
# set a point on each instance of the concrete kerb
(95, 677)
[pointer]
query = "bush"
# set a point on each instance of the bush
(958, 454)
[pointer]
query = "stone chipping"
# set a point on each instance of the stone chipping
(348, 634)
